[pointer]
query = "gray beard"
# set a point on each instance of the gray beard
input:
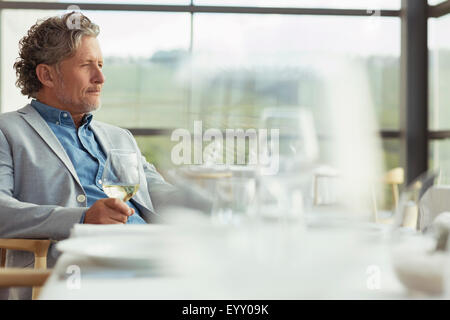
(68, 102)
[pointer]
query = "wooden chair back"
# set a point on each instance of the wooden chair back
(16, 277)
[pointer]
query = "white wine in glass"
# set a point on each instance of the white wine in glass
(121, 192)
(121, 174)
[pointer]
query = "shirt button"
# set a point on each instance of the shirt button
(65, 115)
(99, 181)
(81, 198)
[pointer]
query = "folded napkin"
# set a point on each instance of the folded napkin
(420, 262)
(419, 267)
(89, 230)
(442, 220)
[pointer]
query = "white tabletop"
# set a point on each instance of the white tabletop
(267, 261)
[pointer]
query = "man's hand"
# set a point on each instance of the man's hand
(108, 211)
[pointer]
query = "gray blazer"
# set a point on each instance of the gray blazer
(40, 193)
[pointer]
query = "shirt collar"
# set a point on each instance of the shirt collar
(58, 116)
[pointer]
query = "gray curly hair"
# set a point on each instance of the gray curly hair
(49, 41)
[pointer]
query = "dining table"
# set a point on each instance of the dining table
(320, 255)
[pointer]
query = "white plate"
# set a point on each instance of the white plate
(104, 230)
(120, 251)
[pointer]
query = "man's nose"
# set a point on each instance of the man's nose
(99, 77)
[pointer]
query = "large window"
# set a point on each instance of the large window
(166, 69)
(439, 92)
(144, 54)
(246, 63)
(249, 62)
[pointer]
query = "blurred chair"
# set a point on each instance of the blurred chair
(203, 178)
(422, 200)
(16, 277)
(393, 178)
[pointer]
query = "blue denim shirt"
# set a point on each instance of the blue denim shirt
(83, 150)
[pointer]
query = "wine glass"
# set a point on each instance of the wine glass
(296, 146)
(233, 200)
(286, 161)
(121, 174)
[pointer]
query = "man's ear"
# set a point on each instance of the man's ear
(46, 75)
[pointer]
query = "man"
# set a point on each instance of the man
(52, 153)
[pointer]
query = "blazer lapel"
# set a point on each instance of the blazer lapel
(35, 120)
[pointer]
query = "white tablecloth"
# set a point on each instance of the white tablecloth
(267, 261)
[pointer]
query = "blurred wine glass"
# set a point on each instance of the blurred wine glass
(295, 145)
(286, 161)
(233, 200)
